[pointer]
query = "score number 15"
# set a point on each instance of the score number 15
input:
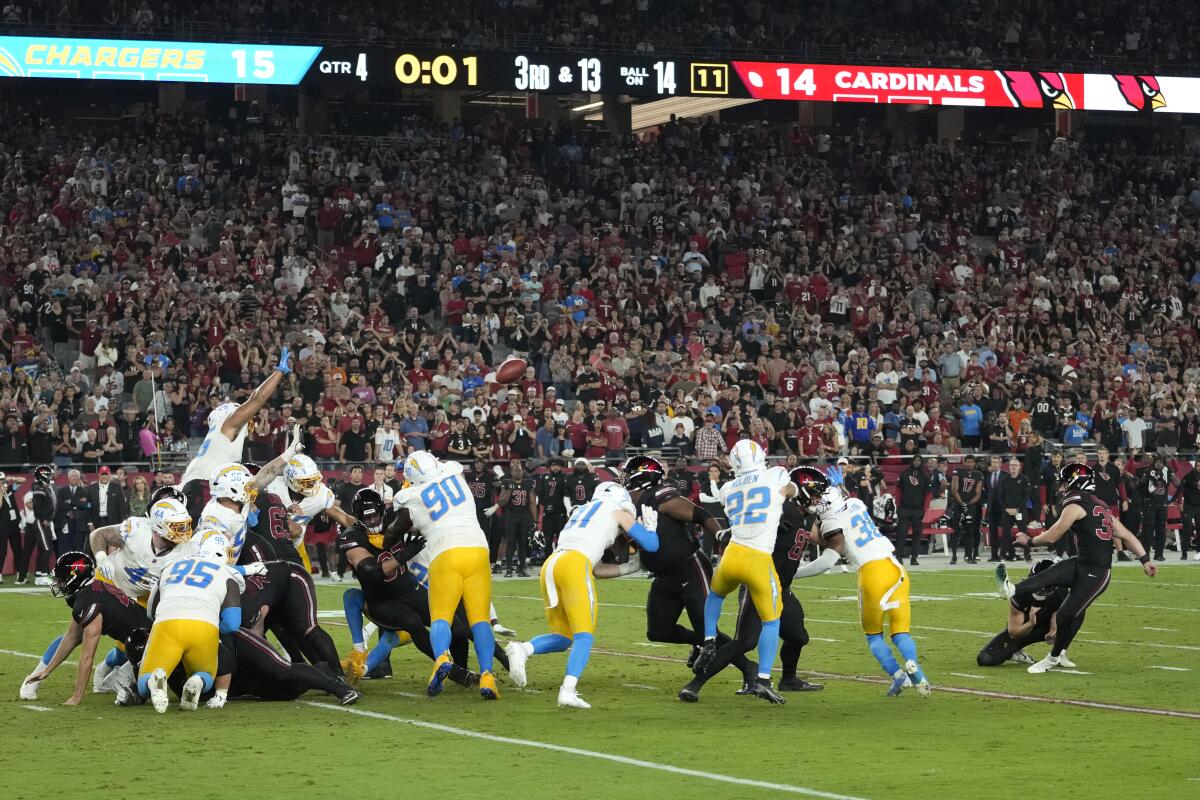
(263, 63)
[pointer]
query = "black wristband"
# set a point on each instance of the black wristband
(1145, 559)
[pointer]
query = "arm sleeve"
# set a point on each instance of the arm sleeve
(822, 563)
(231, 619)
(645, 538)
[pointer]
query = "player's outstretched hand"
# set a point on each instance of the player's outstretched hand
(835, 476)
(297, 445)
(1150, 568)
(1022, 539)
(254, 568)
(283, 365)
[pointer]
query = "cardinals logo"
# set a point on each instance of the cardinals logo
(1037, 90)
(1142, 92)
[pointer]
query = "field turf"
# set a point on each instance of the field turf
(984, 732)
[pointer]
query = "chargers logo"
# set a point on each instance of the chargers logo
(10, 67)
(1142, 92)
(1037, 90)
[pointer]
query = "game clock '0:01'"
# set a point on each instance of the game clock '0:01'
(440, 70)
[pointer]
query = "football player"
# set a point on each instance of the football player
(196, 600)
(753, 503)
(844, 525)
(228, 425)
(1086, 575)
(681, 573)
(284, 599)
(1025, 626)
(98, 608)
(258, 670)
(40, 500)
(569, 591)
(305, 495)
(791, 541)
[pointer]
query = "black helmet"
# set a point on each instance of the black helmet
(43, 474)
(135, 644)
(1045, 563)
(811, 483)
(1076, 478)
(642, 472)
(166, 493)
(251, 467)
(368, 508)
(72, 572)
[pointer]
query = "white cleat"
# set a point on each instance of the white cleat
(1063, 661)
(216, 701)
(516, 663)
(1021, 657)
(158, 691)
(29, 688)
(1045, 665)
(100, 678)
(1004, 587)
(1196, 556)
(570, 698)
(120, 678)
(41, 580)
(189, 698)
(500, 630)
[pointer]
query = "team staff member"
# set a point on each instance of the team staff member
(1189, 515)
(910, 514)
(995, 509)
(1131, 517)
(1109, 488)
(551, 494)
(966, 489)
(580, 484)
(1156, 484)
(1014, 495)
(517, 499)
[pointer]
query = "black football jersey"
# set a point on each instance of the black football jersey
(579, 488)
(968, 481)
(121, 616)
(520, 499)
(790, 542)
(550, 490)
(676, 544)
(265, 590)
(1093, 531)
(481, 489)
(380, 588)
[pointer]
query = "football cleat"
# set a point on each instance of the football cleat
(350, 698)
(692, 656)
(100, 678)
(916, 678)
(570, 698)
(123, 677)
(704, 659)
(516, 663)
(355, 665)
(463, 676)
(437, 679)
(794, 684)
(500, 630)
(762, 688)
(158, 691)
(1004, 587)
(487, 686)
(1063, 661)
(1021, 657)
(1045, 665)
(216, 701)
(129, 696)
(691, 692)
(189, 698)
(29, 688)
(899, 682)
(382, 671)
(746, 690)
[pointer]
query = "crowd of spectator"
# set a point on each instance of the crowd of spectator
(1160, 33)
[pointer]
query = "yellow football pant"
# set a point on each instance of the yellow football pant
(754, 569)
(883, 591)
(461, 575)
(192, 641)
(569, 593)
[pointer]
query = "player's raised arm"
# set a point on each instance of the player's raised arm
(1069, 516)
(258, 398)
(275, 467)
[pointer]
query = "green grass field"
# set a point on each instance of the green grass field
(995, 731)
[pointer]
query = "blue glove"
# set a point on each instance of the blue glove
(836, 478)
(283, 362)
(252, 519)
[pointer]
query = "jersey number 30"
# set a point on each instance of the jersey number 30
(863, 524)
(439, 497)
(748, 508)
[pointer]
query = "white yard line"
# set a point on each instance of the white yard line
(967, 675)
(1170, 669)
(19, 654)
(640, 686)
(1164, 630)
(593, 754)
(37, 708)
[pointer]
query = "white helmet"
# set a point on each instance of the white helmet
(235, 482)
(614, 493)
(171, 520)
(747, 456)
(302, 475)
(218, 415)
(213, 545)
(420, 467)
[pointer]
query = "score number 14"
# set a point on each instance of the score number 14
(803, 83)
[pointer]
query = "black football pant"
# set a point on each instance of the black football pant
(493, 533)
(10, 536)
(261, 672)
(909, 519)
(1003, 646)
(685, 589)
(552, 525)
(1154, 529)
(968, 533)
(1189, 519)
(39, 538)
(1086, 583)
(410, 614)
(517, 528)
(1007, 536)
(792, 634)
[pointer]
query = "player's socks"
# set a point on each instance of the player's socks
(712, 613)
(548, 643)
(440, 636)
(581, 651)
(908, 651)
(485, 646)
(49, 654)
(115, 658)
(768, 643)
(882, 653)
(352, 606)
(388, 640)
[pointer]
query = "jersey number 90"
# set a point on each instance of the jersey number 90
(441, 496)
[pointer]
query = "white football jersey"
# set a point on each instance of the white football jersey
(216, 450)
(443, 510)
(864, 542)
(754, 504)
(193, 588)
(591, 529)
(309, 506)
(134, 569)
(232, 524)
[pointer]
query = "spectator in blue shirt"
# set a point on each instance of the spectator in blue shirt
(576, 305)
(415, 430)
(859, 425)
(1075, 434)
(970, 418)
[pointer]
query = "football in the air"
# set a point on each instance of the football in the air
(512, 370)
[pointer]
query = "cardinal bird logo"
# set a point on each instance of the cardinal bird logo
(1037, 90)
(1142, 92)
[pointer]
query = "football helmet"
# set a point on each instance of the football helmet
(642, 472)
(43, 474)
(171, 520)
(233, 481)
(368, 508)
(420, 467)
(1044, 564)
(73, 571)
(217, 417)
(811, 484)
(166, 493)
(302, 475)
(614, 493)
(747, 456)
(1076, 478)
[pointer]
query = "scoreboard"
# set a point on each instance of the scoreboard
(639, 76)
